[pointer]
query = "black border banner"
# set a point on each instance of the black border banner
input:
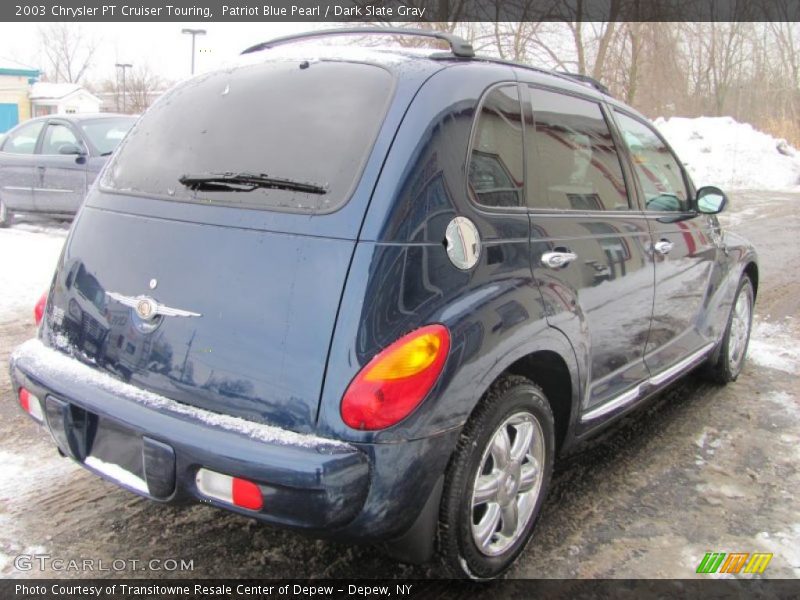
(337, 589)
(405, 11)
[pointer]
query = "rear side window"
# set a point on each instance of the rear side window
(572, 160)
(657, 169)
(23, 140)
(496, 166)
(290, 125)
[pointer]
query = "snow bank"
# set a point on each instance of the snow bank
(720, 151)
(27, 263)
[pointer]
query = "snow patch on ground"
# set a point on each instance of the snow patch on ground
(772, 346)
(785, 545)
(27, 262)
(723, 152)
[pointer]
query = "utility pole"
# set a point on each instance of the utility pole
(124, 67)
(194, 33)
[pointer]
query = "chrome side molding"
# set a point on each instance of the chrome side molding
(630, 396)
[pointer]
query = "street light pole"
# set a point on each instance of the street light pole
(194, 33)
(124, 67)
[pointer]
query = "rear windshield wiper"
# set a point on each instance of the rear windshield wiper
(245, 182)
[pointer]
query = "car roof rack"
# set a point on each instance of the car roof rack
(458, 46)
(587, 80)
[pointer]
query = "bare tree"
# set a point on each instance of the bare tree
(69, 51)
(142, 88)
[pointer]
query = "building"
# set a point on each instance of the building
(15, 82)
(61, 98)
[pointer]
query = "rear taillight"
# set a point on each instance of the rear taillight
(30, 404)
(393, 383)
(38, 310)
(232, 490)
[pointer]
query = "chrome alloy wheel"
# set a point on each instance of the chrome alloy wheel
(740, 328)
(507, 483)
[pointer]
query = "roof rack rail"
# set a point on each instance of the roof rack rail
(587, 80)
(458, 46)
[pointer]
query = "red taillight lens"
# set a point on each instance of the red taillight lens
(38, 310)
(247, 494)
(31, 404)
(393, 383)
(25, 399)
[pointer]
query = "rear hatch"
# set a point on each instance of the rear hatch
(208, 264)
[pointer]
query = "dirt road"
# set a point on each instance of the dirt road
(699, 469)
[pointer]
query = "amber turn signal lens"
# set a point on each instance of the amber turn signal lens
(394, 383)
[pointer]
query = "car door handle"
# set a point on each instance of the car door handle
(556, 260)
(663, 246)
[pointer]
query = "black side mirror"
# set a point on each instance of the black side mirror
(710, 200)
(71, 149)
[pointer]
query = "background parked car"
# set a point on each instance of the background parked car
(47, 164)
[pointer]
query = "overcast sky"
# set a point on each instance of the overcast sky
(160, 45)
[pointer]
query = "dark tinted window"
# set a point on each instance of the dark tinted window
(306, 123)
(106, 134)
(657, 169)
(23, 140)
(572, 161)
(57, 136)
(496, 167)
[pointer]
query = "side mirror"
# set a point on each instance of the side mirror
(711, 200)
(71, 149)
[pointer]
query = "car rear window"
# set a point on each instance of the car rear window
(306, 123)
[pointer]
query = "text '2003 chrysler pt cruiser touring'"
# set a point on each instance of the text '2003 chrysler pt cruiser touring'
(372, 293)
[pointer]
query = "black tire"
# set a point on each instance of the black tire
(6, 216)
(508, 398)
(728, 365)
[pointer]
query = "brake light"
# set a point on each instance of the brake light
(395, 381)
(38, 310)
(31, 404)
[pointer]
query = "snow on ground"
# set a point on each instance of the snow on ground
(28, 256)
(720, 151)
(772, 346)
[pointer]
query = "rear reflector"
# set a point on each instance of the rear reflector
(232, 490)
(31, 404)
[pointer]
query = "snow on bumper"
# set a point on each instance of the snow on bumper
(308, 481)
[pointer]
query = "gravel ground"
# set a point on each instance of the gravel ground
(700, 468)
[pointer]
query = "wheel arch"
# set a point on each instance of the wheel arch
(550, 362)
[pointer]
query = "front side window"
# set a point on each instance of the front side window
(281, 135)
(571, 156)
(106, 134)
(23, 140)
(496, 166)
(657, 169)
(57, 136)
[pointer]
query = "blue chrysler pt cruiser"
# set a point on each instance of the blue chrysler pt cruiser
(373, 293)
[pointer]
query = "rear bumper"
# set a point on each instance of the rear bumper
(306, 481)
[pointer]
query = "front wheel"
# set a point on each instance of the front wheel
(737, 336)
(497, 480)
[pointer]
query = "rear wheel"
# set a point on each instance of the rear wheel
(497, 480)
(737, 336)
(6, 216)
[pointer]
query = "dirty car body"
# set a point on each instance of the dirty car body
(217, 327)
